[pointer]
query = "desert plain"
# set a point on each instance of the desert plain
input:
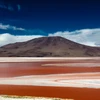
(73, 78)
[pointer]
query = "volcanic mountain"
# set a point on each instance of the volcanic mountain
(48, 47)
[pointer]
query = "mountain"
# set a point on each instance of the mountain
(48, 47)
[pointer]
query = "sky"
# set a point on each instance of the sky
(77, 20)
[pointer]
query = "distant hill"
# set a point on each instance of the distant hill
(48, 47)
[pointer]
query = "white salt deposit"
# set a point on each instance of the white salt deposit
(74, 64)
(81, 80)
(37, 59)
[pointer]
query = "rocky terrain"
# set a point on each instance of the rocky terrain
(48, 47)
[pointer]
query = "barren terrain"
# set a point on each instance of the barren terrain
(49, 47)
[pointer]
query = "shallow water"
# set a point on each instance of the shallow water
(17, 69)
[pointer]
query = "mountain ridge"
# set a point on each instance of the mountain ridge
(48, 47)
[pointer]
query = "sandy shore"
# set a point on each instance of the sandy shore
(12, 97)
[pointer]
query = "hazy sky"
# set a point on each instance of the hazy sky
(72, 19)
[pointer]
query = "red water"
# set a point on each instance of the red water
(36, 68)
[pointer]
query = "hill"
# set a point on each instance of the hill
(48, 47)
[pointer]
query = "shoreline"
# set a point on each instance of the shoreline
(14, 97)
(44, 59)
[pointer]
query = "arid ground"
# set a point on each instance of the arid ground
(73, 78)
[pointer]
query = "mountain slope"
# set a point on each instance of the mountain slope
(48, 47)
